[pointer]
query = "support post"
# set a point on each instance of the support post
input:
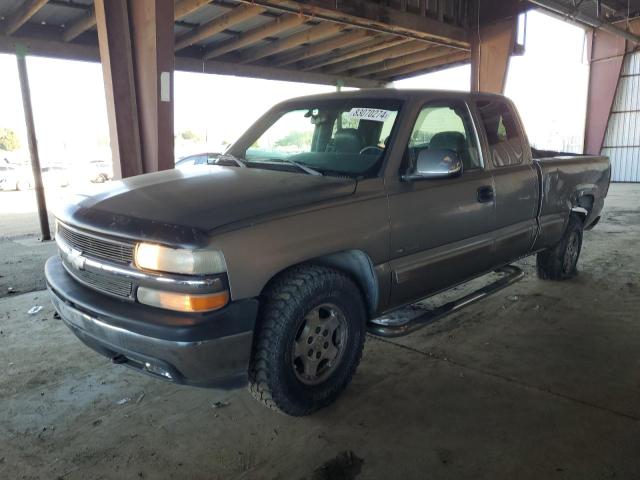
(491, 49)
(33, 146)
(136, 51)
(152, 36)
(606, 54)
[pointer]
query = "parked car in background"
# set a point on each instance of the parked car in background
(8, 177)
(15, 177)
(268, 267)
(55, 176)
(52, 177)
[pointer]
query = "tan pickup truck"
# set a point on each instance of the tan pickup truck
(268, 265)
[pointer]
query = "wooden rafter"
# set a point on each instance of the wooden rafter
(181, 9)
(54, 48)
(422, 67)
(217, 25)
(392, 63)
(80, 26)
(373, 46)
(310, 35)
(311, 51)
(379, 56)
(22, 15)
(280, 24)
(375, 16)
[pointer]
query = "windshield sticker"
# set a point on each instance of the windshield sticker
(375, 114)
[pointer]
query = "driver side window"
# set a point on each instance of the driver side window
(444, 126)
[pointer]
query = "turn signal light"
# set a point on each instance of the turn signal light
(183, 302)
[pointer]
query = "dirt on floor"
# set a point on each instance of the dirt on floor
(541, 381)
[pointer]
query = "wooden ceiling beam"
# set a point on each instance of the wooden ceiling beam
(390, 64)
(375, 16)
(259, 71)
(379, 56)
(373, 46)
(305, 53)
(22, 15)
(422, 67)
(51, 46)
(280, 24)
(307, 36)
(217, 25)
(80, 26)
(182, 8)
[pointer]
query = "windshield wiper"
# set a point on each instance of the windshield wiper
(236, 160)
(301, 166)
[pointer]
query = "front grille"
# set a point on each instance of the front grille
(90, 246)
(99, 281)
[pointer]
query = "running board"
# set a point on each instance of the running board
(408, 319)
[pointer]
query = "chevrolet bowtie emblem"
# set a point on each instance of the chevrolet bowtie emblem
(76, 259)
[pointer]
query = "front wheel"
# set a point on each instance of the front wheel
(560, 262)
(309, 340)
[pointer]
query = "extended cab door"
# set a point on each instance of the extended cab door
(515, 179)
(441, 229)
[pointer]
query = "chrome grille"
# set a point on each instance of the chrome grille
(119, 252)
(99, 281)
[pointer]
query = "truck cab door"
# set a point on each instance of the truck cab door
(515, 179)
(441, 228)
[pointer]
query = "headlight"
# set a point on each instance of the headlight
(175, 260)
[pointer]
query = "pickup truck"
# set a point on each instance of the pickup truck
(268, 265)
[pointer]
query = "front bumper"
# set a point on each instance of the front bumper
(209, 350)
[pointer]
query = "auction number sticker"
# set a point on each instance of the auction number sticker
(375, 114)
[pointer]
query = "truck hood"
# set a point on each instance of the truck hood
(181, 206)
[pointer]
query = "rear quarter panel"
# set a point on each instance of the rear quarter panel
(564, 180)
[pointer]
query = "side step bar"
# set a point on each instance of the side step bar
(413, 317)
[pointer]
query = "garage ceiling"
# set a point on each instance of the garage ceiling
(360, 43)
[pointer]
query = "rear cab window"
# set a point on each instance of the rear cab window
(503, 134)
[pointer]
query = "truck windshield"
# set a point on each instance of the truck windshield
(333, 138)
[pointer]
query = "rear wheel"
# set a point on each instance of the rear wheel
(309, 340)
(560, 261)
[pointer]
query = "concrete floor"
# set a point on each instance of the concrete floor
(542, 381)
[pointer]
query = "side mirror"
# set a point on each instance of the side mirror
(436, 163)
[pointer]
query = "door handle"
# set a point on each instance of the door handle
(485, 194)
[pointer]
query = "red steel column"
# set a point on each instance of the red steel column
(606, 54)
(136, 51)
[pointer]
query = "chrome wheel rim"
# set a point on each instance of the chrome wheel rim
(571, 254)
(319, 344)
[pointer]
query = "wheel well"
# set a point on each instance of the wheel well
(354, 263)
(583, 206)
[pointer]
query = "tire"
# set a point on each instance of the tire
(312, 319)
(560, 261)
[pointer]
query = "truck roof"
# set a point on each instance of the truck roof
(392, 93)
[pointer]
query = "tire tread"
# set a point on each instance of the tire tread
(279, 300)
